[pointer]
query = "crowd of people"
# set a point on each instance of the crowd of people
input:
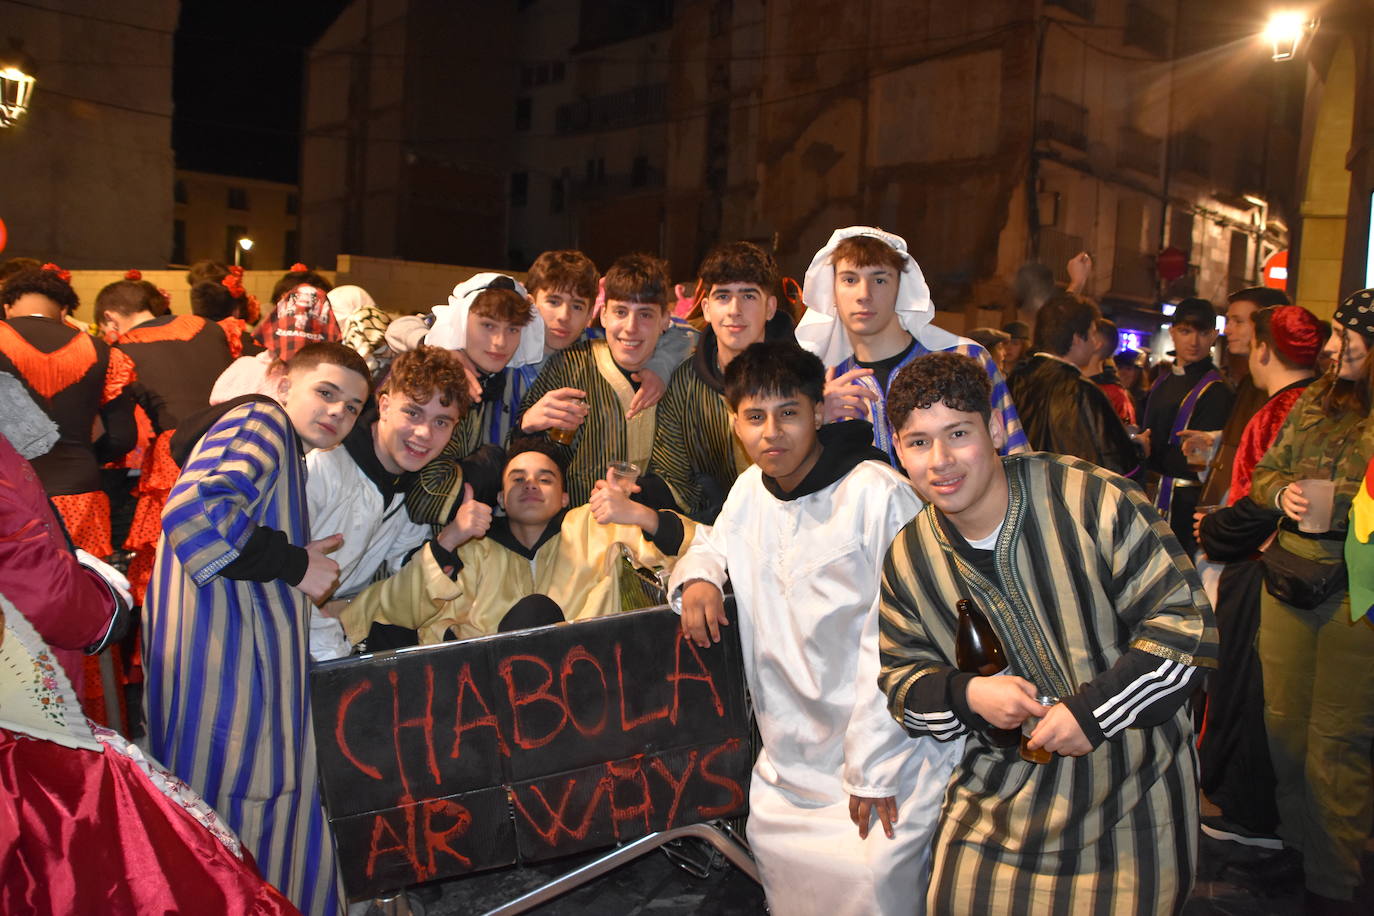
(215, 501)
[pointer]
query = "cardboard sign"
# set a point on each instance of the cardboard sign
(443, 760)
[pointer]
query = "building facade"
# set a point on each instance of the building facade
(211, 213)
(991, 135)
(88, 169)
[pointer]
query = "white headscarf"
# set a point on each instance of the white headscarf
(346, 301)
(820, 329)
(450, 329)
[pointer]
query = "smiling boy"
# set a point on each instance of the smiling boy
(539, 563)
(226, 698)
(358, 490)
(696, 451)
(1097, 607)
(590, 387)
(801, 538)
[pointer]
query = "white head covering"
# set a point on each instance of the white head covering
(450, 328)
(346, 301)
(820, 329)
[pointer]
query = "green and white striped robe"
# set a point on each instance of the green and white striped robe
(696, 451)
(1096, 604)
(605, 435)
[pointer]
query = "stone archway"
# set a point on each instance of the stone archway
(1326, 191)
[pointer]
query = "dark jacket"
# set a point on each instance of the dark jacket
(1063, 412)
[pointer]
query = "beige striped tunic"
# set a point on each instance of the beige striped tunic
(1094, 602)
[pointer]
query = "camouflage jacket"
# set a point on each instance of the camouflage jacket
(1314, 445)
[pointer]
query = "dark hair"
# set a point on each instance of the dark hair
(958, 382)
(294, 278)
(774, 367)
(521, 444)
(42, 282)
(739, 262)
(567, 271)
(867, 251)
(18, 265)
(1061, 319)
(1111, 337)
(1350, 394)
(502, 305)
(206, 272)
(213, 301)
(1263, 296)
(329, 353)
(423, 373)
(639, 278)
(129, 297)
(1196, 312)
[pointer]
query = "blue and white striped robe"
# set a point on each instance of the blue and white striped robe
(226, 692)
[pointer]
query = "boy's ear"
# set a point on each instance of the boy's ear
(565, 499)
(771, 308)
(283, 387)
(997, 430)
(820, 413)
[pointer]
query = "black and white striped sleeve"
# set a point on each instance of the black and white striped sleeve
(928, 707)
(1141, 690)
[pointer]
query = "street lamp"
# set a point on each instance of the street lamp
(245, 244)
(16, 87)
(1286, 32)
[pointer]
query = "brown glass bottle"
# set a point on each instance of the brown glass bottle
(977, 650)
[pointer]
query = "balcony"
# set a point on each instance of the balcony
(627, 108)
(1083, 9)
(1063, 121)
(1146, 30)
(1193, 153)
(1139, 151)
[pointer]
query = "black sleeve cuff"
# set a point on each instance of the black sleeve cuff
(268, 555)
(958, 701)
(670, 533)
(1078, 705)
(447, 559)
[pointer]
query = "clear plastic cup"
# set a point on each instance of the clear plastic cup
(1038, 755)
(622, 475)
(1320, 494)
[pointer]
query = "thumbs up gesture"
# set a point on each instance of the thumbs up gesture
(472, 520)
(322, 574)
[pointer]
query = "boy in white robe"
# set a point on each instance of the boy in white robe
(802, 537)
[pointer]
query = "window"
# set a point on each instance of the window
(179, 194)
(639, 172)
(179, 240)
(519, 188)
(238, 199)
(523, 113)
(293, 204)
(559, 70)
(557, 196)
(290, 249)
(541, 74)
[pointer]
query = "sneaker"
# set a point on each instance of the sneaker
(1219, 828)
(1276, 872)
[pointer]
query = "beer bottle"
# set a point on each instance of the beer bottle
(977, 650)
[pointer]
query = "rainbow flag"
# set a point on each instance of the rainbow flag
(1359, 552)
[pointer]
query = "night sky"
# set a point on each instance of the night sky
(236, 84)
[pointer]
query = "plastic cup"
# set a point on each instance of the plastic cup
(1038, 755)
(1320, 494)
(1197, 450)
(563, 436)
(622, 475)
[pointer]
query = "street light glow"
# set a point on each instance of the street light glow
(246, 244)
(1285, 33)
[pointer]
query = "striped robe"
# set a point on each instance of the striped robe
(605, 435)
(1097, 604)
(695, 450)
(226, 694)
